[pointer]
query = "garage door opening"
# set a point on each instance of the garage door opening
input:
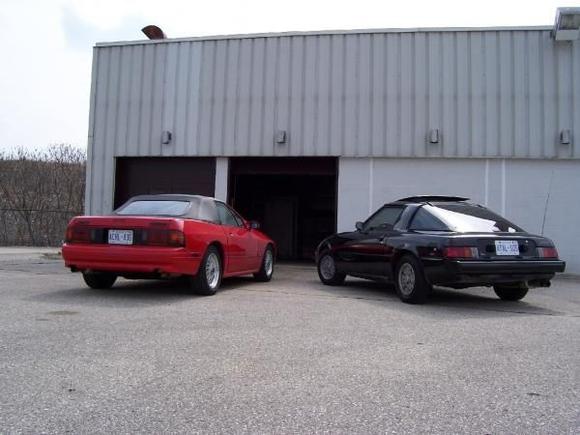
(152, 175)
(294, 199)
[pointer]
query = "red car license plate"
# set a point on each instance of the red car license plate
(120, 237)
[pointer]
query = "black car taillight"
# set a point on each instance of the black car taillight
(456, 252)
(162, 237)
(547, 252)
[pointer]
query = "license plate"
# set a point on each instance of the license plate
(120, 237)
(507, 247)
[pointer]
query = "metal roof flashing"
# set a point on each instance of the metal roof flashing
(325, 33)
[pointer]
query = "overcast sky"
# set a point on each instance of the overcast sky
(46, 46)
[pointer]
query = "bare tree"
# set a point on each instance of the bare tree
(39, 192)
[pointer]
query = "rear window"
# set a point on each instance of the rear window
(155, 208)
(425, 221)
(468, 218)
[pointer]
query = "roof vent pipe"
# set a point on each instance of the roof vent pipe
(153, 32)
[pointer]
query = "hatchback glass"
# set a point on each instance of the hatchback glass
(468, 218)
(154, 208)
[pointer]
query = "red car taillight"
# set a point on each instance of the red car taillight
(460, 252)
(176, 238)
(78, 234)
(547, 252)
(159, 237)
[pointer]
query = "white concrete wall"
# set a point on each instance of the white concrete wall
(532, 193)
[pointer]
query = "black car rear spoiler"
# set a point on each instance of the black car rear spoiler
(435, 198)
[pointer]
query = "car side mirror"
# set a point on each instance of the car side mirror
(254, 225)
(359, 226)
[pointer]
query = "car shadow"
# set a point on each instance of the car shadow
(135, 293)
(484, 299)
(236, 283)
(475, 301)
(124, 293)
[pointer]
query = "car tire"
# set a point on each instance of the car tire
(410, 282)
(267, 268)
(209, 275)
(99, 280)
(511, 292)
(327, 273)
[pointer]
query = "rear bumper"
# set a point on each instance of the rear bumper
(131, 259)
(492, 267)
(448, 272)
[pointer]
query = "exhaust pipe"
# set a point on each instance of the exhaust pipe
(533, 283)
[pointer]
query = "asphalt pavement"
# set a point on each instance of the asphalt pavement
(289, 356)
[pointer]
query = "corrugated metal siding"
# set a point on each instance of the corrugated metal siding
(493, 93)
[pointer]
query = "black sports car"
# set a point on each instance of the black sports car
(421, 241)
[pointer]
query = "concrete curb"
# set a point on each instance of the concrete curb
(29, 250)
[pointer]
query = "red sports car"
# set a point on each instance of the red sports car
(165, 236)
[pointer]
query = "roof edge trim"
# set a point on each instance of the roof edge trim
(324, 33)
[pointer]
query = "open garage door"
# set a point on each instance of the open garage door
(152, 175)
(293, 198)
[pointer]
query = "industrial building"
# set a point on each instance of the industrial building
(309, 132)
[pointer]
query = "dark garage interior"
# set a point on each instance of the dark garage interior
(294, 199)
(153, 175)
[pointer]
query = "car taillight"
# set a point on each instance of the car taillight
(175, 238)
(460, 252)
(158, 237)
(547, 252)
(78, 234)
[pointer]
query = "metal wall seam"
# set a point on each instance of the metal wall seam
(575, 146)
(535, 97)
(100, 128)
(90, 170)
(250, 94)
(264, 137)
(169, 100)
(123, 101)
(549, 120)
(565, 95)
(182, 96)
(476, 102)
(113, 92)
(393, 96)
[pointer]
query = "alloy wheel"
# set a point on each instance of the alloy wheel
(269, 262)
(212, 270)
(327, 267)
(406, 279)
